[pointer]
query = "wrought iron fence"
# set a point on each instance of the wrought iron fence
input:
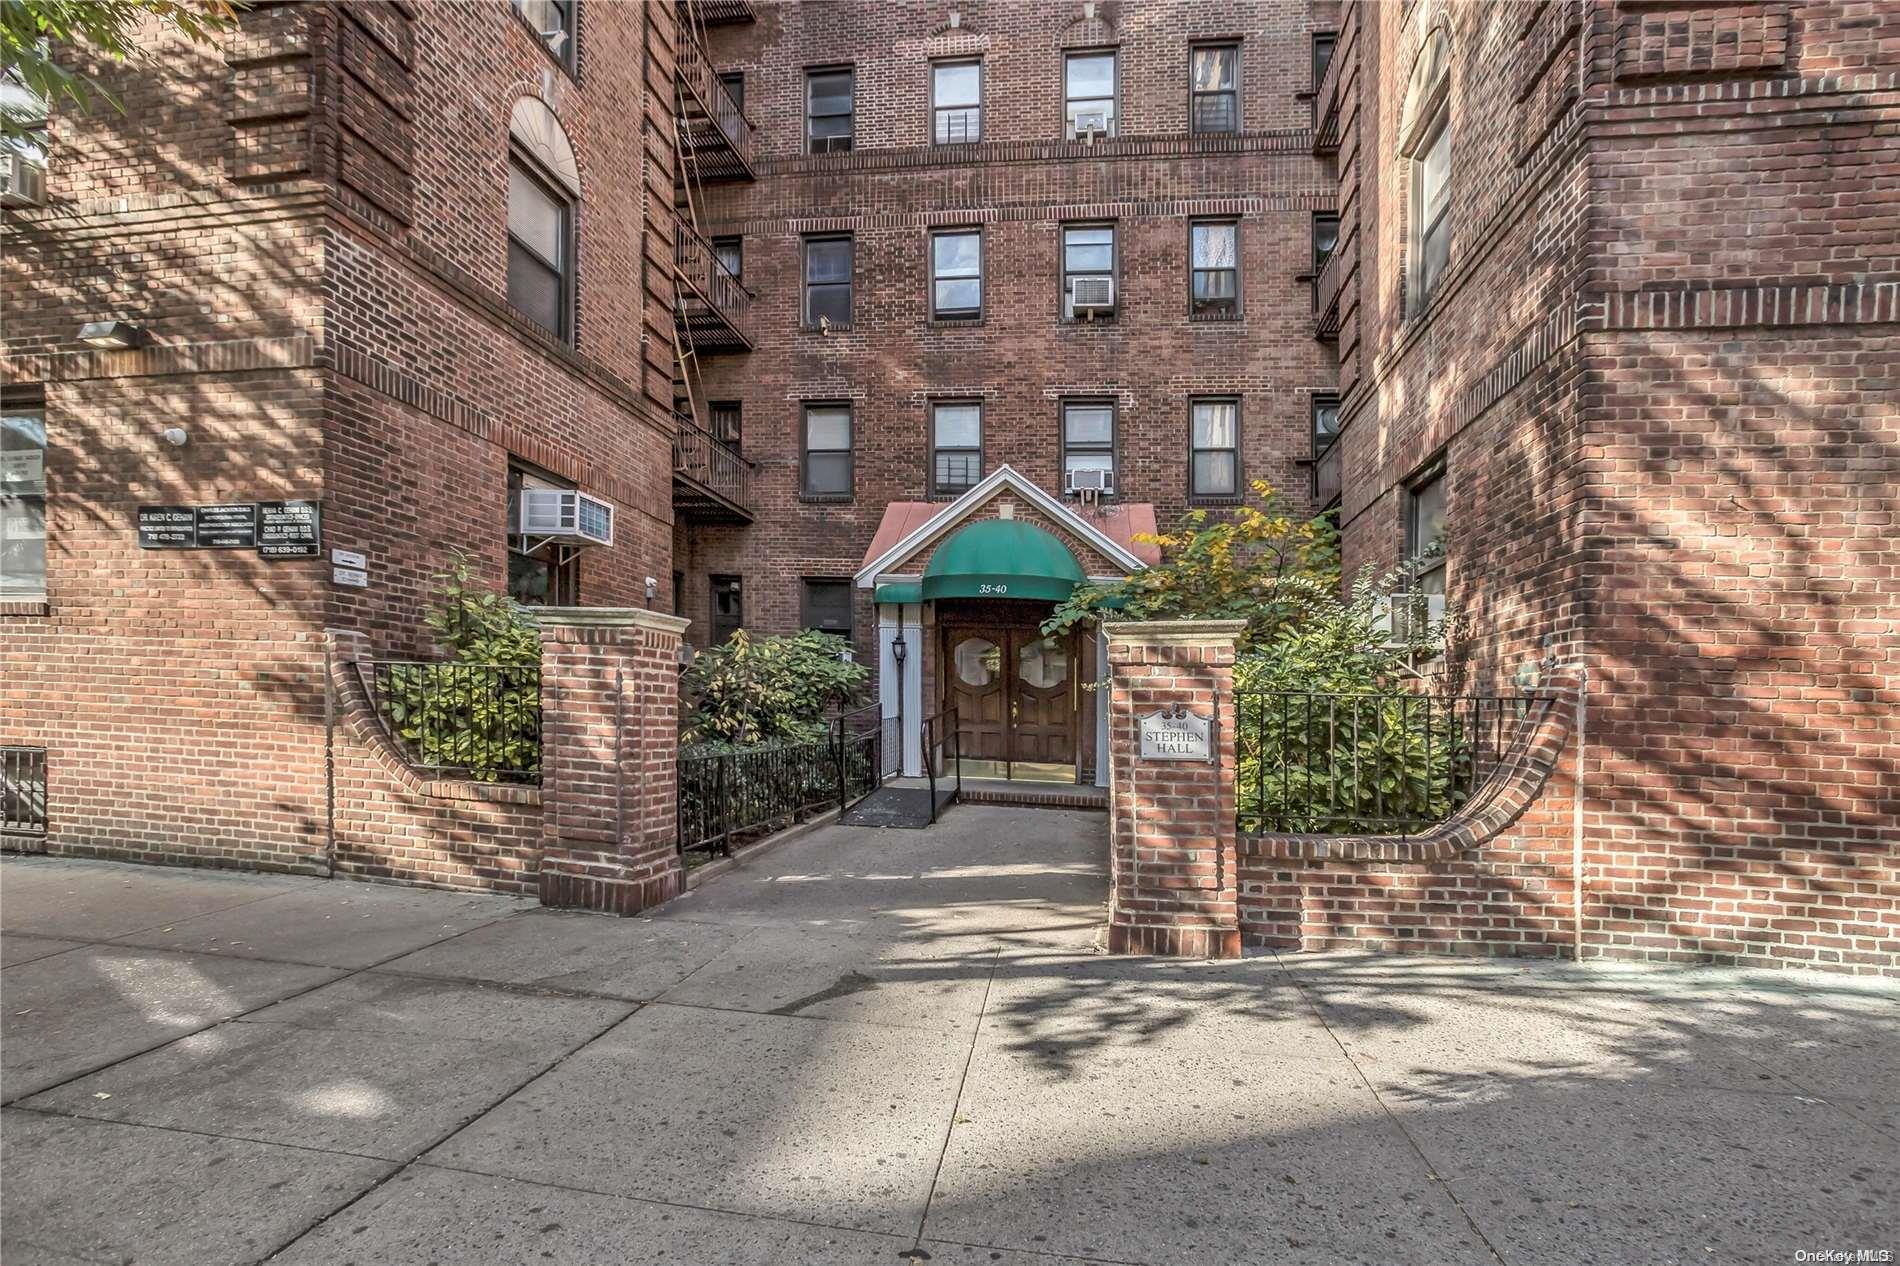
(480, 721)
(861, 721)
(727, 796)
(943, 758)
(22, 790)
(1367, 764)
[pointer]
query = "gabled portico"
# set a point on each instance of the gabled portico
(962, 589)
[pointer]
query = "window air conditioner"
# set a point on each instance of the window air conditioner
(1092, 294)
(22, 181)
(1400, 613)
(1091, 123)
(1102, 481)
(562, 514)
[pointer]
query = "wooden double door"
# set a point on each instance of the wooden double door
(1015, 692)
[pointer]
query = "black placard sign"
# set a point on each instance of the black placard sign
(227, 527)
(289, 529)
(167, 527)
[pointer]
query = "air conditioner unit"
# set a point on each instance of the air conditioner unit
(1099, 481)
(22, 181)
(1400, 613)
(562, 514)
(1091, 123)
(1092, 294)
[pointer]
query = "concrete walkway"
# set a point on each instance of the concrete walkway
(873, 1046)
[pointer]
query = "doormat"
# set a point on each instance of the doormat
(905, 807)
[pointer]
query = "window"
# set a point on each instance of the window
(728, 426)
(730, 252)
(1214, 449)
(679, 593)
(1088, 437)
(1088, 93)
(1325, 422)
(828, 451)
(827, 607)
(735, 87)
(956, 275)
(1323, 42)
(828, 110)
(828, 280)
(540, 251)
(1086, 252)
(1431, 196)
(1325, 238)
(539, 573)
(1214, 88)
(1425, 532)
(553, 21)
(23, 502)
(1214, 290)
(956, 447)
(956, 102)
(728, 608)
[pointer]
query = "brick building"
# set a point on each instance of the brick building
(387, 260)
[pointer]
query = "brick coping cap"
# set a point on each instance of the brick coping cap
(610, 617)
(1173, 631)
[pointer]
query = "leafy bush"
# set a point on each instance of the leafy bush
(767, 689)
(479, 710)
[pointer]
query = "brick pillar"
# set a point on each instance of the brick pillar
(1171, 822)
(609, 740)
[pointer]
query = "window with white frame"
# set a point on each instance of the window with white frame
(1087, 251)
(1088, 93)
(23, 502)
(540, 250)
(1425, 137)
(1088, 437)
(1214, 450)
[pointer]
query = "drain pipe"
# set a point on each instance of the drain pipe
(329, 756)
(1576, 807)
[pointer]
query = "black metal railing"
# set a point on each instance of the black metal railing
(713, 464)
(479, 721)
(861, 721)
(706, 97)
(22, 790)
(727, 797)
(943, 758)
(715, 291)
(1367, 764)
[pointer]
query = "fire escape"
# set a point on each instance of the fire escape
(711, 477)
(1336, 133)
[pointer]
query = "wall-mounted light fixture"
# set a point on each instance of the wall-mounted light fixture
(112, 334)
(175, 435)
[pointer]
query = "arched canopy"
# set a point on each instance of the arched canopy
(535, 129)
(1426, 90)
(1002, 558)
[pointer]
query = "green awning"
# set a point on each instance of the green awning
(1002, 558)
(897, 592)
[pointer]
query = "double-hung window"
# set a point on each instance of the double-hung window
(728, 422)
(553, 21)
(540, 251)
(956, 102)
(1088, 93)
(827, 452)
(956, 447)
(728, 607)
(1325, 421)
(1425, 533)
(1323, 42)
(1214, 450)
(1214, 88)
(956, 275)
(1088, 438)
(730, 252)
(1087, 252)
(1214, 288)
(23, 502)
(825, 605)
(1431, 195)
(828, 263)
(1325, 238)
(828, 110)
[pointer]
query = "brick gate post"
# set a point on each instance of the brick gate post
(1171, 821)
(609, 742)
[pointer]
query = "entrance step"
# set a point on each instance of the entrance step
(1033, 794)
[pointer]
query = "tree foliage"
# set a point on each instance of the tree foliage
(767, 689)
(38, 37)
(479, 710)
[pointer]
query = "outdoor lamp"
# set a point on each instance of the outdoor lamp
(111, 334)
(899, 649)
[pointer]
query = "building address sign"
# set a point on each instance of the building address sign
(274, 529)
(1176, 734)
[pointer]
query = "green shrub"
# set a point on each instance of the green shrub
(479, 710)
(755, 690)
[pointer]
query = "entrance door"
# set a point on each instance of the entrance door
(1014, 693)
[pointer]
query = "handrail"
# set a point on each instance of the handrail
(710, 462)
(712, 283)
(1329, 286)
(696, 73)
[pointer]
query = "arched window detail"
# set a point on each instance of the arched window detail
(534, 129)
(1425, 143)
(544, 190)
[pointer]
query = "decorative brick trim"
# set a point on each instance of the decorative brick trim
(1040, 213)
(25, 608)
(233, 357)
(1743, 304)
(992, 153)
(1650, 95)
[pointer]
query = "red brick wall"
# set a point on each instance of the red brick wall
(1020, 184)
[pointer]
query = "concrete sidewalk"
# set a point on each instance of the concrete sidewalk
(869, 1046)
